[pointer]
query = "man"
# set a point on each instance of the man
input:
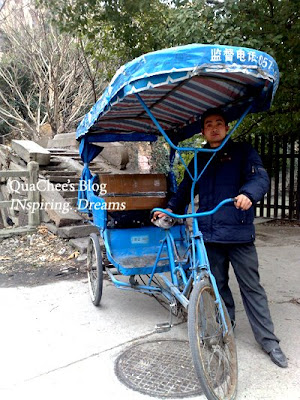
(236, 171)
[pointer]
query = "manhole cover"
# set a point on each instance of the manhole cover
(161, 368)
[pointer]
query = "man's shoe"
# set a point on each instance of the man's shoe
(278, 357)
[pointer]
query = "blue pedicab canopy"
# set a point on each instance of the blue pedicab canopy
(178, 85)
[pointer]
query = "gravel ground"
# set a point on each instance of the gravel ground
(36, 259)
(42, 257)
(56, 341)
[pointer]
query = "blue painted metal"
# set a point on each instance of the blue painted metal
(183, 256)
(87, 176)
(179, 268)
(213, 151)
(121, 244)
(155, 70)
(158, 258)
(139, 288)
(187, 286)
(195, 215)
(175, 291)
(121, 137)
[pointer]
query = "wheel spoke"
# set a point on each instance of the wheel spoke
(94, 269)
(214, 356)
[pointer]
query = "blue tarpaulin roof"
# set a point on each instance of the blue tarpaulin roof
(178, 85)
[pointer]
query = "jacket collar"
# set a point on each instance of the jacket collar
(227, 145)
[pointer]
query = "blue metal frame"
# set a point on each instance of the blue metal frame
(186, 270)
(199, 263)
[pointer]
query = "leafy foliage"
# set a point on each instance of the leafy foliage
(273, 26)
(123, 29)
(160, 156)
(196, 141)
(119, 29)
(268, 25)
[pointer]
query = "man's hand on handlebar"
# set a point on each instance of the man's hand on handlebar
(159, 214)
(163, 220)
(243, 202)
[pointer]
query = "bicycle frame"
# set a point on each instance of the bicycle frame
(196, 252)
(200, 264)
(165, 93)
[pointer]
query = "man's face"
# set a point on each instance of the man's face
(214, 130)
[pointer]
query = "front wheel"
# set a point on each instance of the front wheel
(214, 354)
(95, 269)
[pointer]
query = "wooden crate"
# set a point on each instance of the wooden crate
(135, 191)
(134, 183)
(115, 203)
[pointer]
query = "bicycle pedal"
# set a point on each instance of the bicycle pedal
(163, 327)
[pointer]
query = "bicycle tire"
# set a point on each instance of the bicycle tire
(95, 269)
(214, 356)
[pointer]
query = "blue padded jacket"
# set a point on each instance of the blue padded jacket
(236, 169)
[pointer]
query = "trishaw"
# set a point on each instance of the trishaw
(165, 93)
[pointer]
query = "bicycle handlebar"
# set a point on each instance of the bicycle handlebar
(202, 214)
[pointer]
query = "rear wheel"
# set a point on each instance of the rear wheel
(95, 269)
(214, 355)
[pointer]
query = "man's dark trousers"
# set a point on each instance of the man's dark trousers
(243, 258)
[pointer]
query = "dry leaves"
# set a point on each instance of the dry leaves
(39, 247)
(73, 255)
(3, 258)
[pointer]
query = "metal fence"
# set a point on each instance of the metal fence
(280, 155)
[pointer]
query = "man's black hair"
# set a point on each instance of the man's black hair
(212, 111)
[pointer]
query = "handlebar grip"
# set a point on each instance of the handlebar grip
(164, 222)
(202, 214)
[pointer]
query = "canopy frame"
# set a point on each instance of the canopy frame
(212, 151)
(88, 152)
(211, 76)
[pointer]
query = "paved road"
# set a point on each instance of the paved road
(54, 342)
